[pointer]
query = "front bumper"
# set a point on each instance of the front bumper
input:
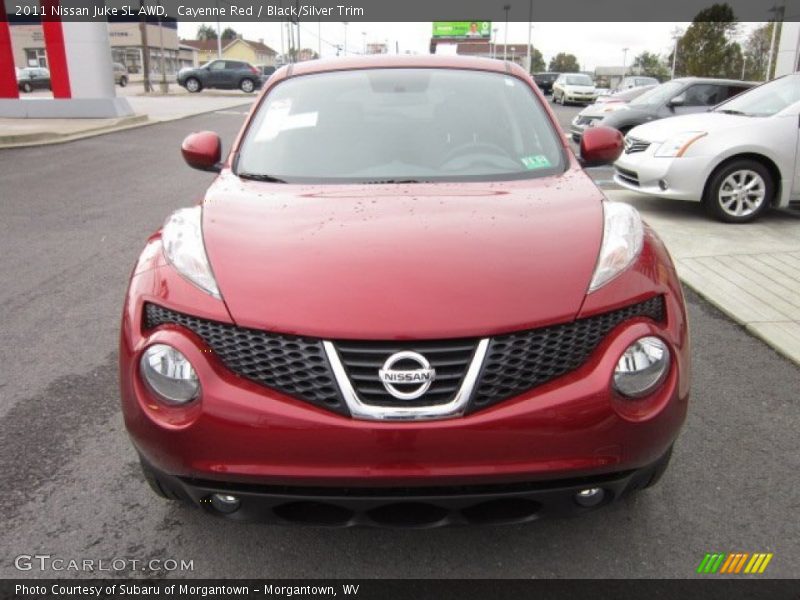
(422, 507)
(681, 178)
(241, 434)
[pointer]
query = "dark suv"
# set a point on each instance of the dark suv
(222, 74)
(545, 81)
(677, 97)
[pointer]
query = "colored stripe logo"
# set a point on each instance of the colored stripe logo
(734, 563)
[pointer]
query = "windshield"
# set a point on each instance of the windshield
(400, 125)
(765, 100)
(579, 80)
(659, 94)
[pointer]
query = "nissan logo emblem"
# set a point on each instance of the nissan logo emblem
(423, 376)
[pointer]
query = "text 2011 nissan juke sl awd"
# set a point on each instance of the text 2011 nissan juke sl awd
(402, 302)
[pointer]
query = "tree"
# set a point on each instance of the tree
(756, 53)
(537, 61)
(650, 65)
(206, 32)
(228, 34)
(564, 63)
(705, 49)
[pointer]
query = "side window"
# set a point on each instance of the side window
(217, 65)
(733, 90)
(703, 94)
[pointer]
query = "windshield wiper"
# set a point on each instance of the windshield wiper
(260, 177)
(379, 181)
(731, 111)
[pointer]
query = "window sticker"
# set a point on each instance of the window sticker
(535, 161)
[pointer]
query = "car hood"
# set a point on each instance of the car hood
(403, 261)
(601, 110)
(710, 122)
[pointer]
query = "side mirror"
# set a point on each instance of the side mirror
(600, 146)
(678, 100)
(203, 151)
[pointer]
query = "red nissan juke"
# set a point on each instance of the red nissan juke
(402, 302)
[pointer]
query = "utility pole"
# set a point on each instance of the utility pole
(145, 50)
(506, 8)
(219, 35)
(164, 84)
(494, 43)
(345, 37)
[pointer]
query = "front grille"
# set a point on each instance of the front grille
(627, 175)
(633, 144)
(296, 366)
(362, 360)
(517, 362)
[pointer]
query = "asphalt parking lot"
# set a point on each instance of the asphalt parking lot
(73, 218)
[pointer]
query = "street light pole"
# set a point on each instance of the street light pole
(778, 10)
(624, 61)
(676, 35)
(345, 37)
(505, 41)
(494, 43)
(530, 27)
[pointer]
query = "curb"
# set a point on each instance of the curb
(46, 139)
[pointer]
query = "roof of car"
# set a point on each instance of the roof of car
(713, 80)
(401, 61)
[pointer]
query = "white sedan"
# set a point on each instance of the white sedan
(574, 87)
(738, 159)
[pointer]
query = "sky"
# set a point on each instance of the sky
(594, 44)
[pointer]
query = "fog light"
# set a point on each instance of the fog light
(590, 497)
(169, 374)
(642, 367)
(225, 503)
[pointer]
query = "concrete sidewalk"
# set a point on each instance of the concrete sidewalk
(750, 272)
(149, 109)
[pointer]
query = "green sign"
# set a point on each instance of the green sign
(479, 30)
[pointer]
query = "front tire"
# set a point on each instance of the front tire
(247, 86)
(123, 81)
(193, 85)
(27, 87)
(739, 191)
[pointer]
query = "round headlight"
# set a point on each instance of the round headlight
(169, 374)
(642, 367)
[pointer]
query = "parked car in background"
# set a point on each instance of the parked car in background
(738, 159)
(33, 78)
(623, 97)
(222, 74)
(536, 362)
(545, 81)
(635, 81)
(673, 98)
(120, 74)
(603, 106)
(574, 88)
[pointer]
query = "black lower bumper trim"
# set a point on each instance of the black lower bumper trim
(413, 507)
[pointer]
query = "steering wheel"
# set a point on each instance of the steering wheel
(472, 147)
